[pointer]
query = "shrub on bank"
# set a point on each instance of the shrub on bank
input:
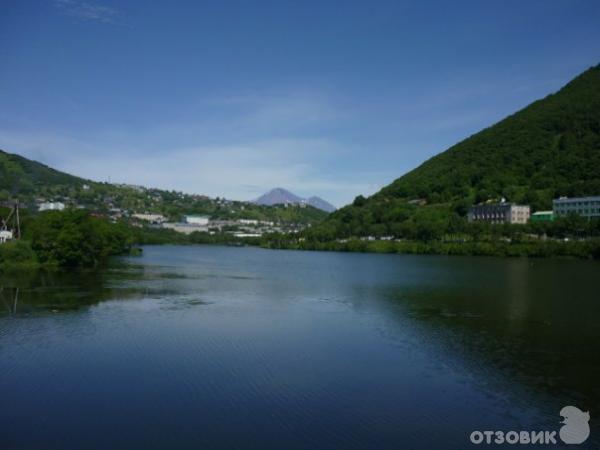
(16, 254)
(75, 239)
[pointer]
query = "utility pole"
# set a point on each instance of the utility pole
(16, 221)
(18, 234)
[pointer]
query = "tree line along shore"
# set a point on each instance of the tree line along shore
(76, 239)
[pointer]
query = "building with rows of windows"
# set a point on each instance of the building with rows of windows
(499, 213)
(582, 206)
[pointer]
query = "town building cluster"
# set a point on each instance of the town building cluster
(496, 213)
(112, 210)
(237, 227)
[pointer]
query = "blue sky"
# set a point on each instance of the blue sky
(230, 98)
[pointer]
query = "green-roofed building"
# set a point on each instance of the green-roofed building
(542, 216)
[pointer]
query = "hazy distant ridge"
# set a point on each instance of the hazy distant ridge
(279, 196)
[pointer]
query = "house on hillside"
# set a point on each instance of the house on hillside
(149, 217)
(197, 220)
(51, 206)
(5, 235)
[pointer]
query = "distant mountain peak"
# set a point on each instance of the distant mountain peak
(281, 196)
(319, 203)
(278, 196)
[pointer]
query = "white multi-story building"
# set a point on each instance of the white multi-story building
(154, 218)
(500, 213)
(185, 228)
(51, 206)
(242, 234)
(582, 206)
(248, 221)
(197, 220)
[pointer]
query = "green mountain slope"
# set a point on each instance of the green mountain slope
(22, 177)
(550, 148)
(26, 180)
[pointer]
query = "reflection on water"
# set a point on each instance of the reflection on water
(214, 347)
(535, 320)
(54, 291)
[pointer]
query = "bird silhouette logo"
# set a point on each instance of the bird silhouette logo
(575, 429)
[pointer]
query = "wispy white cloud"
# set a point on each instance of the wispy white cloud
(257, 116)
(298, 109)
(88, 11)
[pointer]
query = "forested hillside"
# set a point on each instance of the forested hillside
(549, 149)
(21, 177)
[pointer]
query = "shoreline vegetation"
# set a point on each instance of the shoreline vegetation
(75, 239)
(570, 236)
(583, 249)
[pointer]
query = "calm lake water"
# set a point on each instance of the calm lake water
(242, 348)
